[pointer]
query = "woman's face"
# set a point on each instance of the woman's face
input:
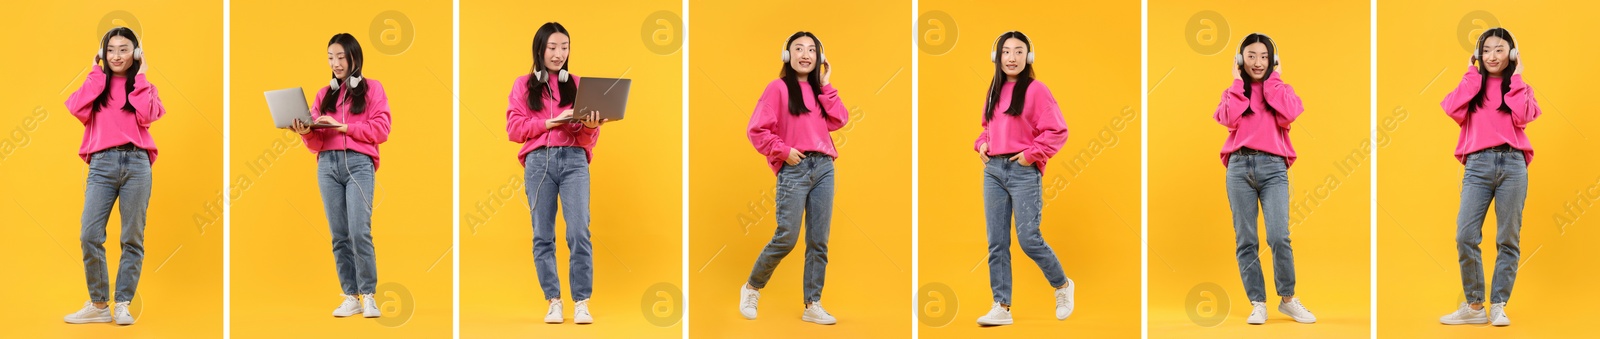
(555, 51)
(1256, 61)
(1013, 57)
(803, 55)
(119, 54)
(1496, 55)
(337, 61)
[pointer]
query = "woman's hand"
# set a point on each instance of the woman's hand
(1519, 65)
(143, 64)
(827, 71)
(1021, 159)
(983, 152)
(299, 127)
(328, 120)
(1235, 70)
(593, 120)
(563, 118)
(794, 157)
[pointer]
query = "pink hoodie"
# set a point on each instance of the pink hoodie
(112, 127)
(1038, 132)
(1262, 130)
(774, 131)
(526, 126)
(366, 129)
(1489, 127)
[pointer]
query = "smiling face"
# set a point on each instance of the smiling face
(556, 50)
(338, 61)
(803, 55)
(119, 54)
(1256, 61)
(1496, 54)
(1013, 58)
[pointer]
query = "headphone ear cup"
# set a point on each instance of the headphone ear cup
(1030, 58)
(354, 81)
(994, 57)
(538, 75)
(563, 76)
(138, 53)
(786, 55)
(1238, 60)
(333, 84)
(824, 57)
(1514, 54)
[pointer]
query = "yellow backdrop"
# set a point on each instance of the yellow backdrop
(1091, 188)
(635, 177)
(42, 177)
(1423, 47)
(283, 281)
(1193, 279)
(736, 47)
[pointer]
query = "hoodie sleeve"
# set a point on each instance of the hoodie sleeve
(1233, 105)
(837, 115)
(1044, 114)
(522, 123)
(1281, 97)
(81, 103)
(147, 106)
(375, 129)
(763, 127)
(313, 139)
(1455, 104)
(983, 137)
(1523, 107)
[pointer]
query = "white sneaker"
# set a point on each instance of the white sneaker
(1295, 310)
(1258, 313)
(553, 316)
(1064, 300)
(580, 312)
(998, 315)
(350, 306)
(120, 313)
(369, 307)
(748, 298)
(816, 314)
(1465, 315)
(89, 314)
(1497, 315)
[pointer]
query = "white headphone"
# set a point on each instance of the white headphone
(138, 52)
(560, 76)
(994, 54)
(353, 80)
(823, 57)
(1238, 59)
(1478, 54)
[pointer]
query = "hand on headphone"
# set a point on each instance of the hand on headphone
(143, 65)
(1520, 61)
(827, 71)
(1236, 69)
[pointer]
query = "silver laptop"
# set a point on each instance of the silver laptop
(609, 96)
(288, 105)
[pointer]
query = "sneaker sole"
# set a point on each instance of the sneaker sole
(584, 322)
(1469, 322)
(364, 315)
(89, 321)
(746, 316)
(1507, 323)
(818, 321)
(994, 323)
(130, 322)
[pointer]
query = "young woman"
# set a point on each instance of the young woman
(355, 113)
(1493, 106)
(556, 149)
(116, 106)
(1022, 129)
(790, 128)
(1258, 109)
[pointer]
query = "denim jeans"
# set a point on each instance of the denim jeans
(346, 178)
(1255, 177)
(121, 173)
(1499, 175)
(1013, 191)
(804, 190)
(552, 173)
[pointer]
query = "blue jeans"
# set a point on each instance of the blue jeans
(121, 173)
(1499, 175)
(806, 188)
(552, 173)
(346, 178)
(1013, 191)
(1255, 177)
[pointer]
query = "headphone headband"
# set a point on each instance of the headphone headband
(1272, 46)
(994, 54)
(1477, 54)
(823, 57)
(138, 49)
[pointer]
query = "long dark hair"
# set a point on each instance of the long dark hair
(537, 87)
(1483, 72)
(1019, 94)
(1272, 63)
(105, 66)
(797, 105)
(355, 95)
